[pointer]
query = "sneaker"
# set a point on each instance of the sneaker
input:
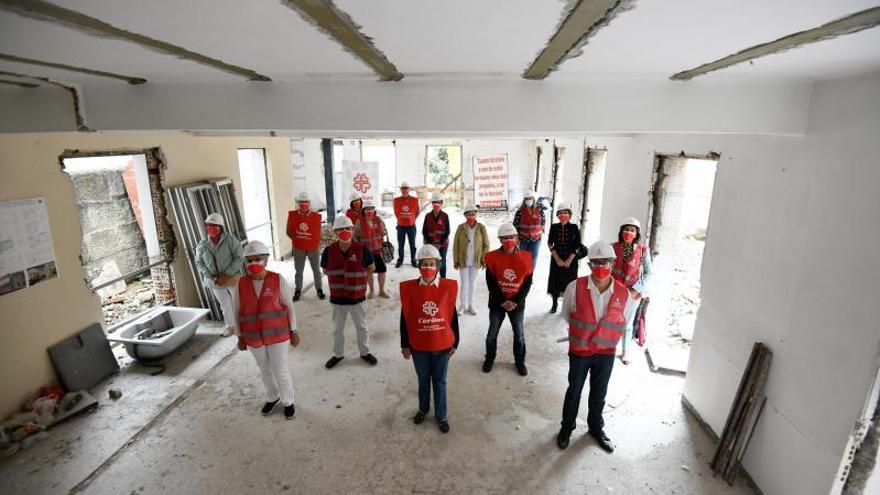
(487, 365)
(321, 295)
(461, 311)
(471, 311)
(419, 417)
(333, 361)
(289, 411)
(268, 407)
(521, 369)
(370, 359)
(297, 294)
(443, 425)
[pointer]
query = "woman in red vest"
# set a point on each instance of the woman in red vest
(429, 331)
(304, 230)
(266, 323)
(369, 230)
(529, 221)
(435, 229)
(355, 204)
(632, 268)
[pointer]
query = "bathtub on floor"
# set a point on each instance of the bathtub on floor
(169, 326)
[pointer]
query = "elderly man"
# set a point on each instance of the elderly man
(219, 262)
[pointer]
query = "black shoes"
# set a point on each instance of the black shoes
(443, 425)
(297, 294)
(555, 304)
(415, 263)
(419, 417)
(521, 369)
(487, 365)
(267, 407)
(321, 295)
(603, 440)
(289, 411)
(562, 439)
(333, 361)
(398, 264)
(370, 359)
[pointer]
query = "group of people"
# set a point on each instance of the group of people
(598, 308)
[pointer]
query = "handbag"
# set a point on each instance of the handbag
(387, 250)
(581, 251)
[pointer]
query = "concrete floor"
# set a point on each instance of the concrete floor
(196, 428)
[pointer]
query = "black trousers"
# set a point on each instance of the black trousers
(599, 369)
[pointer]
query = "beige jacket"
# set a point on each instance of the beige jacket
(460, 245)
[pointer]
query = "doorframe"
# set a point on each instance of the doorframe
(268, 198)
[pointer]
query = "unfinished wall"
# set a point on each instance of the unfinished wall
(29, 167)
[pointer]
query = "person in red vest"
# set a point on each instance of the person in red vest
(529, 221)
(304, 230)
(435, 229)
(596, 308)
(406, 210)
(348, 266)
(355, 207)
(429, 331)
(632, 267)
(370, 230)
(267, 326)
(509, 278)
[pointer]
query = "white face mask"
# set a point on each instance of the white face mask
(530, 202)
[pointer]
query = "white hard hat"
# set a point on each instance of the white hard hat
(342, 222)
(354, 197)
(369, 204)
(255, 248)
(404, 184)
(216, 219)
(469, 207)
(563, 206)
(436, 197)
(529, 194)
(632, 221)
(303, 197)
(427, 251)
(601, 250)
(506, 229)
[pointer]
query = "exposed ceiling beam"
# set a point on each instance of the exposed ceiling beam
(100, 73)
(46, 11)
(19, 84)
(337, 24)
(78, 116)
(851, 24)
(582, 22)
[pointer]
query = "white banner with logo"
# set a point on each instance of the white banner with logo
(490, 182)
(362, 178)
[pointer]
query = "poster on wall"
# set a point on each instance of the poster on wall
(490, 182)
(27, 257)
(362, 178)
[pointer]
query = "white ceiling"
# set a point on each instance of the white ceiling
(453, 38)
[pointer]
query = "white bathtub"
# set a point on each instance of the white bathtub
(173, 326)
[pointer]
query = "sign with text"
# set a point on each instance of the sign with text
(362, 178)
(27, 257)
(490, 182)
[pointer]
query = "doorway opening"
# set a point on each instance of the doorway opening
(383, 152)
(678, 227)
(255, 196)
(443, 165)
(590, 197)
(127, 242)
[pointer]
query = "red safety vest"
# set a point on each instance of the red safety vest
(406, 209)
(586, 336)
(530, 227)
(346, 273)
(370, 233)
(352, 215)
(262, 320)
(306, 229)
(627, 272)
(510, 270)
(436, 228)
(428, 311)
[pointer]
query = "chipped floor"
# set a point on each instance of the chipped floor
(196, 427)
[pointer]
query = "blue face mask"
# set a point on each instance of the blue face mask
(530, 202)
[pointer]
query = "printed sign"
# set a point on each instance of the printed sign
(362, 178)
(26, 254)
(490, 182)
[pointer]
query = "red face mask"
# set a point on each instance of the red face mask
(509, 244)
(471, 221)
(255, 268)
(428, 272)
(404, 192)
(601, 272)
(213, 230)
(370, 213)
(345, 235)
(436, 207)
(564, 217)
(628, 236)
(304, 207)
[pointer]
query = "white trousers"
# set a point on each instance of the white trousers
(467, 276)
(272, 361)
(359, 318)
(224, 296)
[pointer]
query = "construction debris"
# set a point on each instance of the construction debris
(115, 393)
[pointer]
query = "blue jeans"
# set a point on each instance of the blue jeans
(404, 233)
(443, 260)
(496, 318)
(533, 247)
(431, 370)
(599, 368)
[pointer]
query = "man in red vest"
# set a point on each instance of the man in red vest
(509, 278)
(304, 230)
(406, 209)
(429, 331)
(435, 229)
(348, 266)
(266, 323)
(596, 310)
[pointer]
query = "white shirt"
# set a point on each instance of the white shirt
(472, 235)
(600, 303)
(286, 299)
(435, 282)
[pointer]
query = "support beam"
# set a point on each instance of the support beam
(854, 23)
(339, 26)
(329, 176)
(582, 22)
(78, 116)
(73, 68)
(19, 84)
(39, 9)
